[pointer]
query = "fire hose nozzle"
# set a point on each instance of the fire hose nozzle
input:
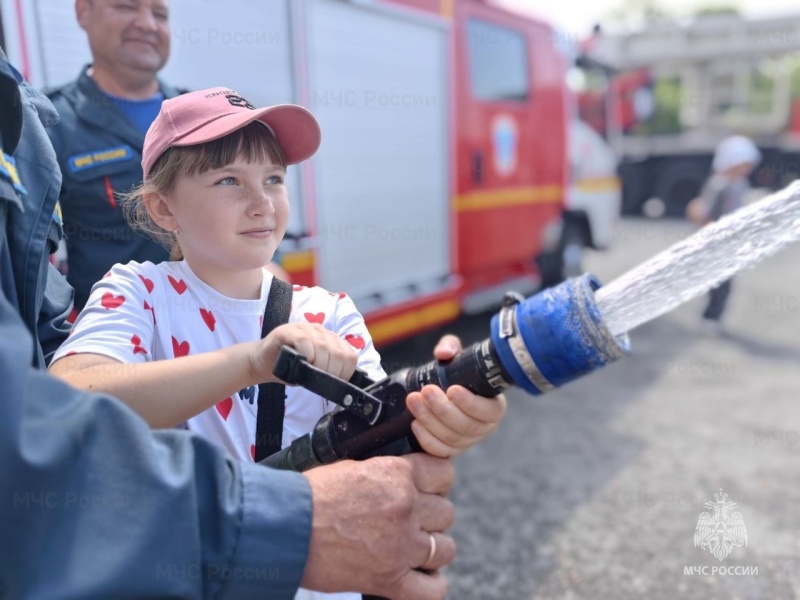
(556, 336)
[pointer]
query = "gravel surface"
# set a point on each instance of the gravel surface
(594, 490)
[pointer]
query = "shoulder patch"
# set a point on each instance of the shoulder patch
(8, 171)
(57, 216)
(97, 158)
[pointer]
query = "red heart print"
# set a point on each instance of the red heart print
(179, 285)
(356, 341)
(298, 288)
(110, 301)
(253, 451)
(137, 348)
(107, 275)
(208, 317)
(224, 407)
(315, 317)
(148, 283)
(152, 310)
(179, 348)
(340, 294)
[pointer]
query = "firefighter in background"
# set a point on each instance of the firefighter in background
(734, 160)
(104, 115)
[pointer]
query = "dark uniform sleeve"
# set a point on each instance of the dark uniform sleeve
(53, 327)
(44, 298)
(95, 505)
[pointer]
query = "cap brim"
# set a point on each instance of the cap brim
(295, 128)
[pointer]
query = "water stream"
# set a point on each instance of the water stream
(700, 262)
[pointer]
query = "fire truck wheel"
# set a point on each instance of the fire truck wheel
(636, 183)
(678, 182)
(567, 260)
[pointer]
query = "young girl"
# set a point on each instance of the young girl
(180, 342)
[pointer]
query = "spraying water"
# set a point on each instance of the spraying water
(702, 261)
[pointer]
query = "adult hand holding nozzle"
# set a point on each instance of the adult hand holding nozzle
(384, 530)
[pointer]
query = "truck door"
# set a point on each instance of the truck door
(43, 40)
(511, 140)
(378, 86)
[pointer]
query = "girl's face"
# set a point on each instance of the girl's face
(232, 218)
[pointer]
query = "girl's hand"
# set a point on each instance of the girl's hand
(321, 347)
(448, 423)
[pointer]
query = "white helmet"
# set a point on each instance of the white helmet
(733, 151)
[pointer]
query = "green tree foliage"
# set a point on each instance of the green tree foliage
(710, 11)
(666, 116)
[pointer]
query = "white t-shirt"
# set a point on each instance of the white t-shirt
(145, 312)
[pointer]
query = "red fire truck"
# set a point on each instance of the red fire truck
(675, 89)
(444, 165)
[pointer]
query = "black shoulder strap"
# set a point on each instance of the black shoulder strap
(272, 396)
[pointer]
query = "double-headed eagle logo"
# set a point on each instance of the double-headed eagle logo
(721, 531)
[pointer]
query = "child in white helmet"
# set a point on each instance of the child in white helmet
(734, 160)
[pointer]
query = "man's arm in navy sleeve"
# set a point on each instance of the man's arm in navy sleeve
(94, 504)
(52, 325)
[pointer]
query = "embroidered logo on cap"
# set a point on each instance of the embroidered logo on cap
(237, 100)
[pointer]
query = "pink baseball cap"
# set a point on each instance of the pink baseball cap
(206, 115)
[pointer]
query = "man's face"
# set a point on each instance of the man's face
(132, 34)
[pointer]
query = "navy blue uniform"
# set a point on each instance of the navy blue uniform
(41, 295)
(99, 151)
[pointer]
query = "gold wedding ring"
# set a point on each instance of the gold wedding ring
(432, 553)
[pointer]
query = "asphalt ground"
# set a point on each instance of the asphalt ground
(594, 490)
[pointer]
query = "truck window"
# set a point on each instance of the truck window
(498, 63)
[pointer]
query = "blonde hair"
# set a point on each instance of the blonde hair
(253, 142)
